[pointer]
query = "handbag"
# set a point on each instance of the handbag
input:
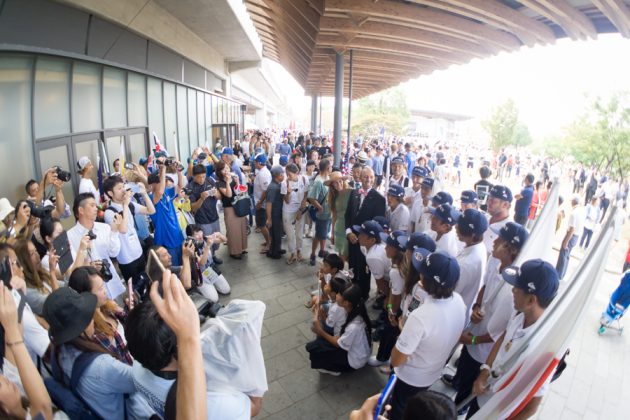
(241, 204)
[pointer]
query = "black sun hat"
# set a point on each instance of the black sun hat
(68, 313)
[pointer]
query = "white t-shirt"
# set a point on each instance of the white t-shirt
(514, 334)
(396, 281)
(301, 185)
(577, 219)
(130, 248)
(472, 266)
(497, 304)
(377, 261)
(354, 341)
(489, 236)
(423, 223)
(449, 243)
(261, 182)
(87, 186)
(336, 318)
(428, 337)
(399, 218)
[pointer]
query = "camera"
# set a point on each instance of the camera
(91, 235)
(40, 212)
(197, 244)
(105, 271)
(129, 166)
(188, 191)
(202, 157)
(169, 161)
(62, 175)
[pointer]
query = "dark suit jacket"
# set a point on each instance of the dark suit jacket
(373, 205)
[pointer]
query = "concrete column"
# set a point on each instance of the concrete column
(338, 104)
(314, 114)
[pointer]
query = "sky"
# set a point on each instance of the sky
(550, 85)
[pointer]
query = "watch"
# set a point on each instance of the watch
(485, 367)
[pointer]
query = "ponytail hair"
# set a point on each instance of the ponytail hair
(353, 294)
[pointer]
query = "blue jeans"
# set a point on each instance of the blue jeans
(563, 257)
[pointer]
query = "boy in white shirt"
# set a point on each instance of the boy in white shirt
(430, 332)
(398, 212)
(374, 251)
(420, 218)
(442, 222)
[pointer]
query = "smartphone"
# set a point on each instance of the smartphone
(6, 272)
(385, 397)
(130, 292)
(155, 269)
(128, 165)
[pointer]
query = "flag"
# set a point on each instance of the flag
(535, 359)
(99, 174)
(121, 156)
(156, 140)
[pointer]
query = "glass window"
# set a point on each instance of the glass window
(52, 97)
(220, 111)
(170, 119)
(137, 143)
(156, 116)
(114, 98)
(215, 110)
(192, 119)
(137, 99)
(113, 150)
(86, 97)
(182, 123)
(201, 116)
(89, 148)
(15, 125)
(208, 126)
(226, 110)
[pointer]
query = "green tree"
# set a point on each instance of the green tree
(601, 136)
(387, 109)
(504, 127)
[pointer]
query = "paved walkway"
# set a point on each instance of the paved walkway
(596, 383)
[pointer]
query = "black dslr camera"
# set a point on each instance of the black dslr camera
(91, 235)
(62, 175)
(105, 271)
(40, 212)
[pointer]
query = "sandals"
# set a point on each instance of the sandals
(291, 260)
(299, 257)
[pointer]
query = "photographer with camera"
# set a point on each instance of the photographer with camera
(36, 192)
(167, 231)
(105, 240)
(130, 258)
(86, 185)
(203, 197)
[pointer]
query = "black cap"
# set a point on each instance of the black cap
(68, 313)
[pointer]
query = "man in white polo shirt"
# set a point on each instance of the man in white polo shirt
(499, 202)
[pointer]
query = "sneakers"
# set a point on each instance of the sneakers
(448, 379)
(217, 260)
(329, 372)
(313, 260)
(373, 361)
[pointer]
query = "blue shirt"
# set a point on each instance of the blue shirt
(167, 231)
(377, 164)
(410, 160)
(284, 149)
(104, 384)
(521, 208)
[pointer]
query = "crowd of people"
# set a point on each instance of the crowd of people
(89, 329)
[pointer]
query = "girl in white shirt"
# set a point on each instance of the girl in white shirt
(352, 348)
(294, 190)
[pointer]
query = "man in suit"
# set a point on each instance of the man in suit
(364, 204)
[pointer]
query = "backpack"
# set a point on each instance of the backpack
(66, 397)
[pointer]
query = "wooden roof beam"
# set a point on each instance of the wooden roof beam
(291, 17)
(392, 30)
(428, 17)
(617, 12)
(575, 23)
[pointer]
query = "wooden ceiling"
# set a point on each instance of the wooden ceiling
(396, 40)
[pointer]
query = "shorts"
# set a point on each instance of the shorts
(261, 217)
(322, 227)
(469, 164)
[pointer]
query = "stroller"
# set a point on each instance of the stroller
(619, 302)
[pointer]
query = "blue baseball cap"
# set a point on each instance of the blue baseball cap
(428, 182)
(469, 197)
(439, 268)
(143, 161)
(419, 171)
(534, 277)
(370, 228)
(382, 220)
(418, 255)
(472, 222)
(501, 192)
(442, 198)
(260, 158)
(420, 240)
(284, 160)
(513, 233)
(396, 190)
(446, 213)
(397, 239)
(161, 153)
(227, 151)
(398, 160)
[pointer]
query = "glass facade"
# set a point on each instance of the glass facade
(57, 109)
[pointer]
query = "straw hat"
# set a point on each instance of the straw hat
(334, 177)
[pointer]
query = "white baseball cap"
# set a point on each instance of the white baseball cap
(83, 162)
(5, 208)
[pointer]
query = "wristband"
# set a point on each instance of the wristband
(389, 306)
(485, 367)
(474, 340)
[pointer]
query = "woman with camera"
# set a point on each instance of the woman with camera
(22, 224)
(236, 227)
(108, 317)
